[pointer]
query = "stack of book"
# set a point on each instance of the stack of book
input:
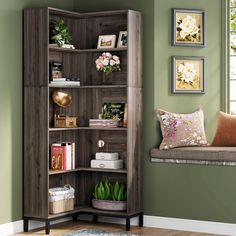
(67, 46)
(70, 82)
(62, 156)
(104, 123)
(113, 115)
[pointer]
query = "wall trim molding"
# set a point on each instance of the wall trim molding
(190, 225)
(17, 226)
(225, 58)
(149, 221)
(11, 228)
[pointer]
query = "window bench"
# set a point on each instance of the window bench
(196, 155)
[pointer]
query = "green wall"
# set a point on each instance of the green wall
(11, 103)
(210, 101)
(183, 191)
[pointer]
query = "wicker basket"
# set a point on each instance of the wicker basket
(61, 199)
(61, 206)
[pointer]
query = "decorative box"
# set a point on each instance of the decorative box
(116, 164)
(61, 199)
(109, 156)
(65, 122)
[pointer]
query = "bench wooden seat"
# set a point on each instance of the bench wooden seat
(196, 155)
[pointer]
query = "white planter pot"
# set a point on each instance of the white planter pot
(109, 205)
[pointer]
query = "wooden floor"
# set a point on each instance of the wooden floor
(60, 229)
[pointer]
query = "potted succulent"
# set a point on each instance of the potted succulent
(59, 34)
(110, 196)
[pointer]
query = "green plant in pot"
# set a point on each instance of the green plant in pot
(110, 196)
(59, 33)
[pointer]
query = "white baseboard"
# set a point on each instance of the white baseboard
(11, 228)
(176, 224)
(149, 221)
(190, 225)
(17, 226)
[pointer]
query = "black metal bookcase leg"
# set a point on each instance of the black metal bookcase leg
(128, 224)
(26, 225)
(141, 220)
(47, 226)
(95, 218)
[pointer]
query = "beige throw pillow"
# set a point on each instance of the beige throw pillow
(179, 130)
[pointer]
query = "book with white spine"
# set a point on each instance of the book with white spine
(73, 155)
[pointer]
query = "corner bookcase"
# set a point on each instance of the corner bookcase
(39, 132)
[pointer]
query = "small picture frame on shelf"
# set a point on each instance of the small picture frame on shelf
(106, 41)
(55, 70)
(188, 74)
(122, 40)
(188, 27)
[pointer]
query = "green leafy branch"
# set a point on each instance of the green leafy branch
(59, 33)
(108, 69)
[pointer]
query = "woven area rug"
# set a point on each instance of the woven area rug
(92, 232)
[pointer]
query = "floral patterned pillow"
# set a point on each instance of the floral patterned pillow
(179, 130)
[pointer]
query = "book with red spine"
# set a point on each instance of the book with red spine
(65, 157)
(58, 156)
(65, 165)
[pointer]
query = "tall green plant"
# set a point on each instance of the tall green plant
(59, 33)
(110, 191)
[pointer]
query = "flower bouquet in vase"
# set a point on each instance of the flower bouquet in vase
(107, 63)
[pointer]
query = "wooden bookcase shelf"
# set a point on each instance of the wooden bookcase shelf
(56, 172)
(91, 86)
(91, 211)
(92, 50)
(87, 128)
(59, 172)
(76, 210)
(121, 171)
(39, 132)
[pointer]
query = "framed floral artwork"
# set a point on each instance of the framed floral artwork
(188, 27)
(188, 74)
